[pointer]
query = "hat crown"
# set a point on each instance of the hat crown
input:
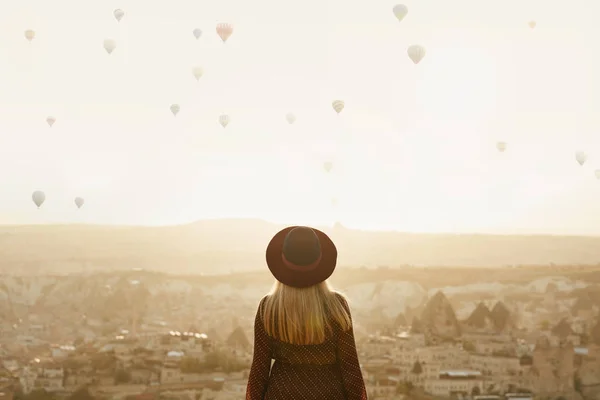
(301, 246)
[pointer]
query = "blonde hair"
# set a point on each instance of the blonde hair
(306, 315)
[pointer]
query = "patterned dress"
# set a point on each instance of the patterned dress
(326, 371)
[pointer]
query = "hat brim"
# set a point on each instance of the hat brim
(296, 277)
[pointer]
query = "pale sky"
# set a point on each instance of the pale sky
(413, 150)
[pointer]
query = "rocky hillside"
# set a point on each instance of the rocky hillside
(372, 293)
(223, 245)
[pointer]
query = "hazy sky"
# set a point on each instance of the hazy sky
(414, 149)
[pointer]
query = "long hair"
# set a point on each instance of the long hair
(304, 316)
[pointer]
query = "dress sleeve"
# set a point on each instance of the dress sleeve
(261, 361)
(354, 383)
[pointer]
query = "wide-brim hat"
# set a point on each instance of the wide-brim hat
(311, 256)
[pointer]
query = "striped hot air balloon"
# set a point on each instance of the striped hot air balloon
(224, 120)
(338, 105)
(224, 31)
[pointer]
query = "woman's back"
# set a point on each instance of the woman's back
(311, 354)
(304, 326)
(328, 370)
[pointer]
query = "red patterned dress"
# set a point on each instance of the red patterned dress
(326, 371)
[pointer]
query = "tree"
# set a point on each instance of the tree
(476, 391)
(190, 365)
(215, 360)
(512, 388)
(577, 384)
(404, 388)
(73, 363)
(18, 394)
(103, 361)
(545, 325)
(523, 391)
(40, 394)
(221, 360)
(122, 376)
(81, 394)
(468, 346)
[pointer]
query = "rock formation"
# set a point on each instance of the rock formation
(562, 329)
(501, 316)
(481, 319)
(438, 317)
(238, 339)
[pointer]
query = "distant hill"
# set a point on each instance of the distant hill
(211, 246)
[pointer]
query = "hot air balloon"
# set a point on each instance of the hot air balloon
(224, 120)
(197, 72)
(334, 202)
(224, 31)
(79, 202)
(338, 105)
(327, 166)
(416, 53)
(400, 11)
(532, 24)
(29, 35)
(175, 109)
(501, 146)
(580, 156)
(291, 118)
(110, 45)
(38, 198)
(50, 121)
(197, 33)
(118, 13)
(597, 173)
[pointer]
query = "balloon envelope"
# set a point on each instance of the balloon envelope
(118, 13)
(197, 72)
(224, 31)
(29, 35)
(532, 24)
(38, 198)
(291, 118)
(581, 157)
(79, 202)
(50, 121)
(175, 109)
(338, 105)
(110, 45)
(416, 53)
(197, 33)
(327, 166)
(224, 120)
(400, 11)
(501, 146)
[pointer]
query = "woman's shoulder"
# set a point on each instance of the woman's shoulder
(341, 298)
(263, 300)
(339, 295)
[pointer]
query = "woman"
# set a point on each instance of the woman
(304, 325)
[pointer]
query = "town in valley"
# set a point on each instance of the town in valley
(139, 335)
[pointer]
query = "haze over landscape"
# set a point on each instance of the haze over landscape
(413, 150)
(213, 246)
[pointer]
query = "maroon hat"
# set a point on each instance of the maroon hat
(300, 256)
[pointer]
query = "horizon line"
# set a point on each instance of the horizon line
(319, 226)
